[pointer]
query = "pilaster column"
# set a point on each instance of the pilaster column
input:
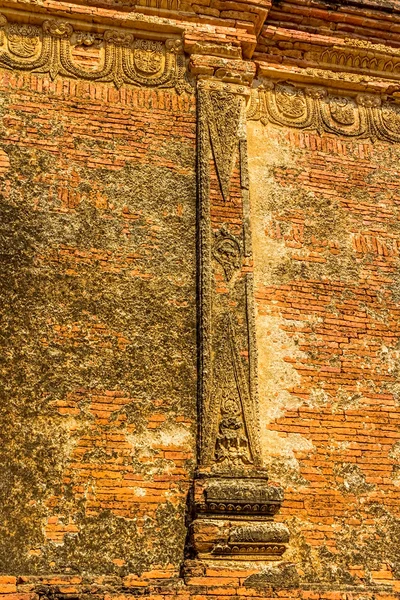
(233, 503)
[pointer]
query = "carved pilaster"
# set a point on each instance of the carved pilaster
(233, 504)
(229, 437)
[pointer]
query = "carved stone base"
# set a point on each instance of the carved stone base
(233, 519)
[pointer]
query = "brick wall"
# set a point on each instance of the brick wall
(98, 411)
(325, 219)
(98, 302)
(99, 201)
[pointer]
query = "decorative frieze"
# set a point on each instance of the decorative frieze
(244, 499)
(358, 59)
(362, 116)
(121, 57)
(327, 51)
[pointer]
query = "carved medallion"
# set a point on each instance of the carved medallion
(291, 101)
(342, 110)
(391, 117)
(148, 56)
(227, 252)
(23, 39)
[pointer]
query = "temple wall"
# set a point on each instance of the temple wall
(98, 300)
(199, 224)
(325, 224)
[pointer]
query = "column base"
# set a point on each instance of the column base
(233, 519)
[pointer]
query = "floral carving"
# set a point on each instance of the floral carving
(148, 56)
(391, 117)
(361, 116)
(125, 60)
(291, 101)
(342, 110)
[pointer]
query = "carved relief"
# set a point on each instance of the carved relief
(234, 519)
(291, 102)
(23, 40)
(243, 498)
(232, 445)
(342, 110)
(148, 56)
(229, 423)
(390, 115)
(349, 59)
(86, 39)
(231, 484)
(123, 59)
(253, 542)
(227, 252)
(361, 116)
(223, 110)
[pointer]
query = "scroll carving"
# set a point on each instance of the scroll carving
(312, 108)
(231, 484)
(122, 58)
(227, 251)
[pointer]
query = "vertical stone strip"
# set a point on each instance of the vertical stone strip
(204, 270)
(231, 488)
(229, 436)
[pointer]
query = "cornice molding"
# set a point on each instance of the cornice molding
(152, 51)
(347, 56)
(217, 22)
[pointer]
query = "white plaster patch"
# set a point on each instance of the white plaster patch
(276, 444)
(177, 437)
(265, 152)
(276, 375)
